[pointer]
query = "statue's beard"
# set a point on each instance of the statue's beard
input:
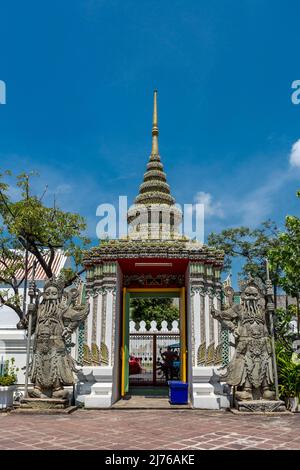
(49, 307)
(45, 347)
(251, 306)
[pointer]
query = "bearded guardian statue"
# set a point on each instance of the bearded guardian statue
(54, 318)
(251, 368)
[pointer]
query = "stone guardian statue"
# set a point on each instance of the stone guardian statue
(54, 318)
(251, 368)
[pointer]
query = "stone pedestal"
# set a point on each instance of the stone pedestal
(45, 406)
(44, 403)
(260, 406)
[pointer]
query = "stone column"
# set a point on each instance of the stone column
(89, 322)
(202, 315)
(196, 322)
(99, 318)
(109, 327)
(207, 319)
(216, 323)
(203, 395)
(94, 316)
(97, 380)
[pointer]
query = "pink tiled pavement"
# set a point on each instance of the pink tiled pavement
(149, 429)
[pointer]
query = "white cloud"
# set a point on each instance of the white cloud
(63, 189)
(295, 154)
(211, 208)
(251, 208)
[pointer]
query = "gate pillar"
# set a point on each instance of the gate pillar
(205, 289)
(98, 380)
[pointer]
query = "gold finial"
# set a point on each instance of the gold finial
(155, 127)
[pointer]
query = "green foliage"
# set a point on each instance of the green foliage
(8, 375)
(158, 309)
(288, 368)
(30, 224)
(11, 260)
(286, 255)
(252, 245)
(288, 373)
(284, 336)
(39, 227)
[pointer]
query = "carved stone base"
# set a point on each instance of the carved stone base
(45, 405)
(260, 406)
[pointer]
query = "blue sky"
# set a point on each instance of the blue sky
(80, 76)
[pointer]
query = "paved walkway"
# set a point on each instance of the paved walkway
(149, 429)
(146, 402)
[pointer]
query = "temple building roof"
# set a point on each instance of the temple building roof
(154, 214)
(111, 250)
(154, 239)
(155, 189)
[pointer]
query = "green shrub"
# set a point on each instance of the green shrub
(8, 373)
(288, 373)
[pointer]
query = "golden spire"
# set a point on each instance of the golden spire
(155, 127)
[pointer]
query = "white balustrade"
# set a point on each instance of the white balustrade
(140, 327)
(153, 326)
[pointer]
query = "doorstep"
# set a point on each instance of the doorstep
(138, 402)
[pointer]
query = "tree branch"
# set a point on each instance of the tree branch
(16, 308)
(70, 281)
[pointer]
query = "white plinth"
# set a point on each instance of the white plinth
(94, 389)
(100, 397)
(204, 397)
(204, 388)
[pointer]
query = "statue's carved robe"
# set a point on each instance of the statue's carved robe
(52, 366)
(252, 360)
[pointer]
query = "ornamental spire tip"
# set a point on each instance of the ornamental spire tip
(155, 126)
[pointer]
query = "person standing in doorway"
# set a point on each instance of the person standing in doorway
(169, 357)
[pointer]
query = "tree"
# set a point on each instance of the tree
(30, 226)
(252, 245)
(288, 363)
(11, 261)
(158, 309)
(286, 256)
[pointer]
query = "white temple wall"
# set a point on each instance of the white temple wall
(13, 345)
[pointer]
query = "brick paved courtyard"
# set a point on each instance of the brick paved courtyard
(149, 429)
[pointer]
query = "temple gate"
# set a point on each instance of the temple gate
(154, 259)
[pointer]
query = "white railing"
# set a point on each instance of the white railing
(140, 327)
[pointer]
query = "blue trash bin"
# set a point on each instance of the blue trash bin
(178, 392)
